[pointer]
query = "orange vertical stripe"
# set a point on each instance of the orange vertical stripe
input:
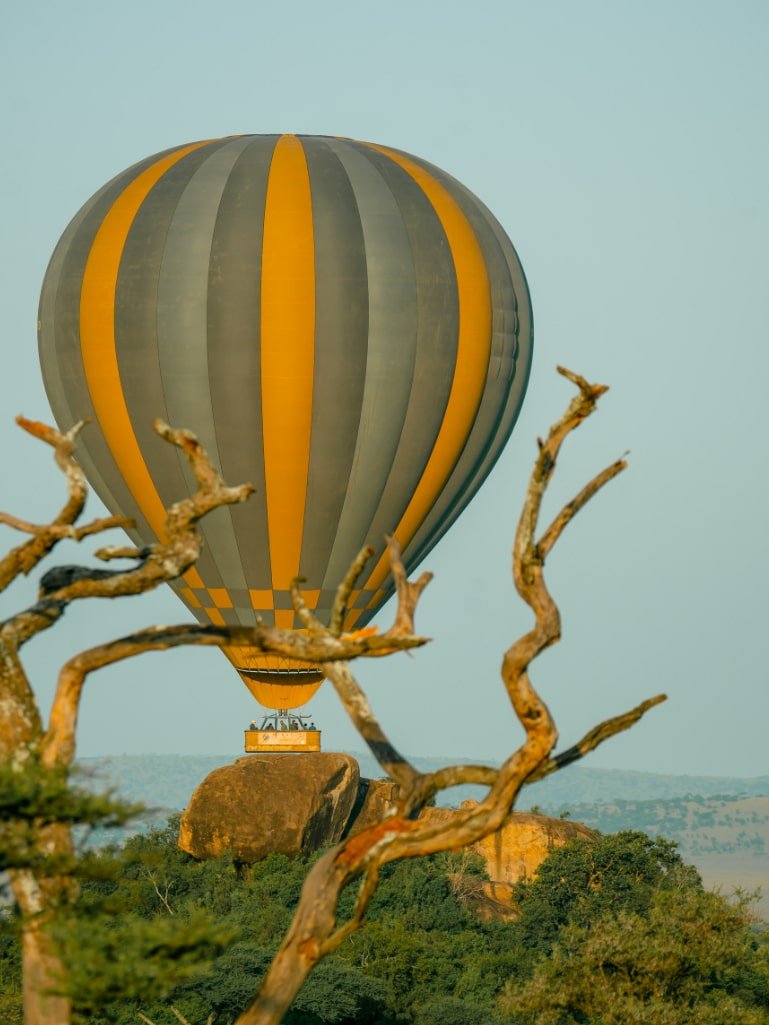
(472, 359)
(287, 353)
(98, 346)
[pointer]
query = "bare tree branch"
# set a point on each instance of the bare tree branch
(339, 610)
(63, 446)
(357, 706)
(21, 525)
(24, 558)
(367, 891)
(306, 617)
(592, 739)
(161, 562)
(212, 491)
(408, 592)
(58, 743)
(162, 897)
(64, 531)
(569, 511)
(122, 552)
(486, 775)
(458, 775)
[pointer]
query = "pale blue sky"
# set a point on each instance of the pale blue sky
(624, 148)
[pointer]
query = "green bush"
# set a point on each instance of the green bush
(616, 930)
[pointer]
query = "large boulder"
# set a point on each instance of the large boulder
(271, 804)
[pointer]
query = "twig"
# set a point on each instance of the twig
(160, 562)
(343, 592)
(569, 511)
(24, 558)
(162, 897)
(313, 626)
(408, 592)
(179, 1016)
(366, 892)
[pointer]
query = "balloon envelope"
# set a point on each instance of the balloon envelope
(342, 324)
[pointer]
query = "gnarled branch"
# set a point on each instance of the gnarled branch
(24, 558)
(159, 563)
(594, 737)
(486, 775)
(402, 834)
(58, 743)
(314, 930)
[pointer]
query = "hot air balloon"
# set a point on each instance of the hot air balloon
(342, 324)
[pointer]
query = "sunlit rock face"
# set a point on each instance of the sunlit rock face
(517, 849)
(271, 804)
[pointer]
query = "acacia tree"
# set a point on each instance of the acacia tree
(315, 930)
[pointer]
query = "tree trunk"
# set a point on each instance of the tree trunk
(43, 970)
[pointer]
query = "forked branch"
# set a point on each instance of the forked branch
(24, 558)
(167, 559)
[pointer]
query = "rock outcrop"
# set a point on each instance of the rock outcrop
(518, 849)
(296, 803)
(376, 797)
(271, 804)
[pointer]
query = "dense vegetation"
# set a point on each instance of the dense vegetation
(614, 931)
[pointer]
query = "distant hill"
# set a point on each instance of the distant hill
(699, 825)
(167, 781)
(726, 837)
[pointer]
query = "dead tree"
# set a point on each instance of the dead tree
(315, 930)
